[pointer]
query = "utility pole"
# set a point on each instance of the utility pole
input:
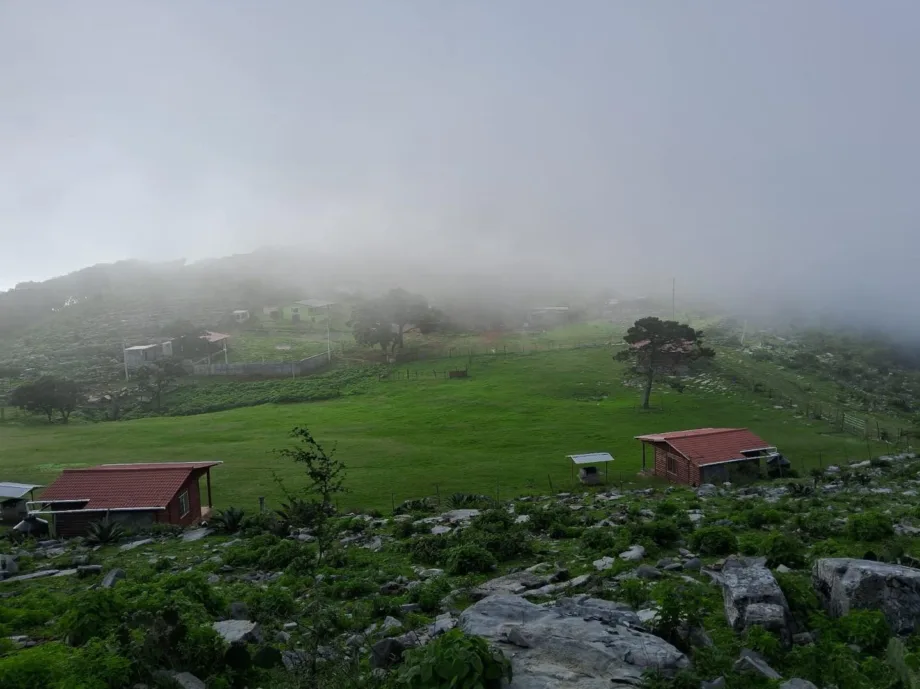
(673, 299)
(328, 342)
(124, 355)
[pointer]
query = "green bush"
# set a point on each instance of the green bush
(865, 628)
(429, 595)
(454, 661)
(91, 614)
(667, 508)
(496, 532)
(599, 539)
(759, 517)
(714, 540)
(469, 559)
(229, 520)
(664, 532)
(280, 555)
(870, 526)
(799, 593)
(783, 549)
(428, 549)
(542, 520)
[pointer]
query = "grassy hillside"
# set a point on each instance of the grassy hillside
(506, 430)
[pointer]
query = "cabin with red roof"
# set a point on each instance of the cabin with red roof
(707, 455)
(136, 495)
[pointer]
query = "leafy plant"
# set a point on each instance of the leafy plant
(469, 559)
(906, 665)
(104, 532)
(784, 549)
(870, 526)
(229, 520)
(714, 540)
(454, 661)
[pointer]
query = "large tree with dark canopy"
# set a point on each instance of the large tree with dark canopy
(661, 348)
(46, 396)
(386, 320)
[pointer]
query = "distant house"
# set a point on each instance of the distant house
(13, 499)
(240, 316)
(708, 455)
(213, 338)
(307, 308)
(141, 355)
(136, 495)
(273, 312)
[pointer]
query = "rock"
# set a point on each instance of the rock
(846, 584)
(135, 544)
(375, 544)
(442, 624)
(238, 610)
(717, 683)
(694, 564)
(647, 572)
(196, 535)
(796, 683)
(293, 660)
(238, 631)
(282, 637)
(608, 612)
(455, 516)
(604, 563)
(440, 530)
(754, 663)
(289, 626)
(184, 680)
(803, 639)
(549, 648)
(783, 569)
(390, 624)
(76, 561)
(409, 607)
(213, 579)
(634, 554)
(386, 653)
(707, 490)
(89, 570)
(8, 566)
(674, 567)
(551, 589)
(647, 616)
(513, 584)
(431, 573)
(522, 519)
(111, 577)
(42, 573)
(751, 596)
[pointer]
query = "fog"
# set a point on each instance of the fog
(761, 153)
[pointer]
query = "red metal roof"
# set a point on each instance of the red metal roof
(704, 446)
(123, 486)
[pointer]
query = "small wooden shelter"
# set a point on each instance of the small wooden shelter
(587, 467)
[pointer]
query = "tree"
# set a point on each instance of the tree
(154, 379)
(659, 348)
(187, 340)
(327, 479)
(46, 396)
(386, 320)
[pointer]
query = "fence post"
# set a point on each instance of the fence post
(437, 491)
(550, 478)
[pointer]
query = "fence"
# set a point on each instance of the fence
(269, 370)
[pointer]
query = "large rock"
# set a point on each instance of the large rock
(8, 566)
(796, 683)
(752, 596)
(515, 584)
(184, 680)
(238, 631)
(111, 577)
(845, 584)
(578, 643)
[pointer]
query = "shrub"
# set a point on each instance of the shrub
(542, 520)
(275, 601)
(91, 614)
(599, 539)
(496, 532)
(799, 594)
(428, 549)
(714, 540)
(783, 549)
(469, 559)
(633, 592)
(865, 628)
(280, 555)
(454, 660)
(663, 531)
(870, 526)
(667, 508)
(763, 516)
(104, 532)
(429, 594)
(469, 501)
(229, 520)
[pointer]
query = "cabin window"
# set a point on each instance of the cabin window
(184, 505)
(672, 464)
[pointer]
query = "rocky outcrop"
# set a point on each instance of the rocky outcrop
(576, 643)
(752, 596)
(517, 583)
(846, 584)
(238, 631)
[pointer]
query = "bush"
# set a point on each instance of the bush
(783, 549)
(429, 594)
(870, 526)
(469, 559)
(599, 539)
(663, 531)
(865, 628)
(229, 520)
(428, 549)
(104, 532)
(496, 532)
(763, 516)
(714, 540)
(543, 520)
(454, 660)
(91, 614)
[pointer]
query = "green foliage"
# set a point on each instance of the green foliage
(664, 532)
(783, 549)
(428, 549)
(599, 539)
(229, 520)
(634, 592)
(905, 664)
(766, 643)
(46, 396)
(469, 559)
(679, 603)
(799, 593)
(714, 540)
(91, 614)
(759, 517)
(429, 594)
(472, 501)
(53, 666)
(865, 628)
(870, 526)
(547, 518)
(454, 661)
(104, 532)
(496, 532)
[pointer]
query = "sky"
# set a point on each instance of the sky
(740, 147)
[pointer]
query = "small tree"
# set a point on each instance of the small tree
(155, 379)
(386, 320)
(327, 479)
(659, 348)
(46, 396)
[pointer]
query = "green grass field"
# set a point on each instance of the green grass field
(506, 430)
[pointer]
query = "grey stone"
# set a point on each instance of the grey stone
(40, 574)
(514, 584)
(803, 639)
(77, 560)
(634, 554)
(752, 596)
(292, 660)
(8, 566)
(238, 631)
(673, 567)
(390, 624)
(238, 610)
(196, 534)
(135, 544)
(89, 570)
(288, 626)
(409, 607)
(282, 636)
(431, 573)
(647, 572)
(796, 683)
(552, 589)
(111, 577)
(647, 616)
(717, 683)
(440, 530)
(185, 680)
(846, 584)
(604, 563)
(608, 612)
(442, 624)
(386, 653)
(455, 516)
(754, 663)
(213, 579)
(707, 490)
(550, 649)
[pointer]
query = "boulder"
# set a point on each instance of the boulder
(184, 680)
(8, 566)
(89, 570)
(846, 584)
(707, 490)
(796, 683)
(513, 584)
(386, 653)
(238, 610)
(196, 535)
(634, 554)
(753, 663)
(111, 577)
(135, 544)
(578, 643)
(752, 596)
(238, 631)
(717, 683)
(605, 562)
